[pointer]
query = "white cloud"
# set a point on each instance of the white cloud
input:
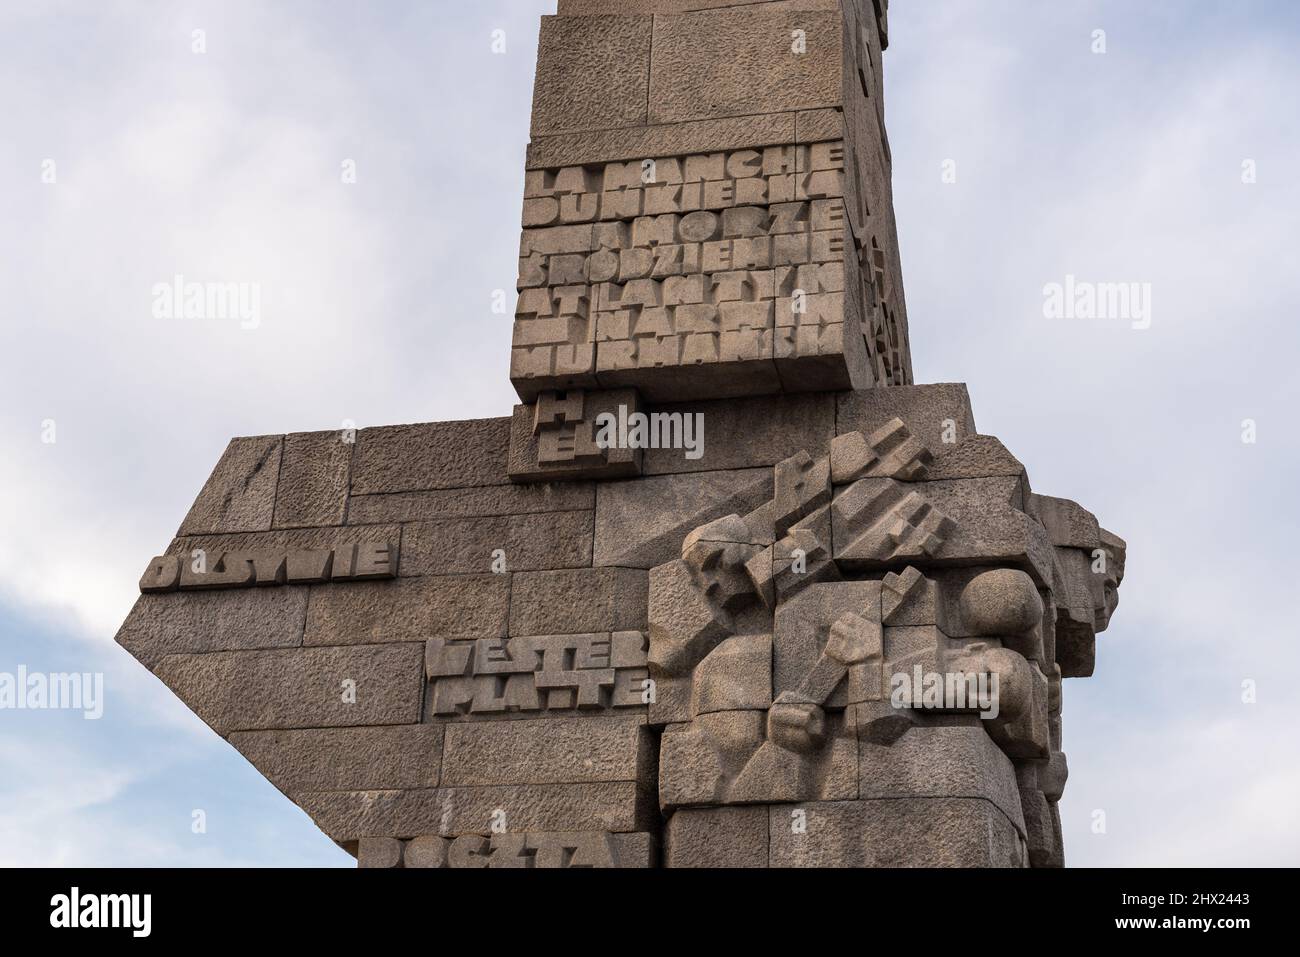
(172, 162)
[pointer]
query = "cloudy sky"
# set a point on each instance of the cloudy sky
(1170, 159)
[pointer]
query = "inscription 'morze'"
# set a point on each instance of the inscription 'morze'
(202, 570)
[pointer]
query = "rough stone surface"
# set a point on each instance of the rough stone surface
(346, 759)
(548, 751)
(161, 625)
(314, 478)
(380, 852)
(989, 525)
(753, 67)
(468, 546)
(411, 609)
(535, 849)
(1043, 825)
(978, 456)
(735, 676)
(641, 523)
(818, 126)
(879, 522)
(578, 601)
(246, 690)
(349, 815)
(749, 433)
(735, 757)
(536, 675)
(909, 598)
(717, 837)
(555, 437)
(940, 762)
(764, 116)
(239, 496)
(592, 73)
(1068, 523)
(930, 412)
(621, 8)
(664, 139)
(766, 640)
(1002, 602)
(916, 832)
(488, 500)
(286, 540)
(440, 455)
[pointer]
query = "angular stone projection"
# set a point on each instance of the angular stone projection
(707, 206)
(726, 589)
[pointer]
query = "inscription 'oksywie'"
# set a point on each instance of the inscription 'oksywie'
(249, 569)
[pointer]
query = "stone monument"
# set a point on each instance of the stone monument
(727, 588)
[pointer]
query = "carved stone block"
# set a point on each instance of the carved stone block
(409, 609)
(332, 687)
(917, 832)
(725, 582)
(559, 437)
(547, 674)
(592, 72)
(578, 601)
(381, 758)
(717, 837)
(551, 750)
(698, 276)
(239, 496)
(538, 849)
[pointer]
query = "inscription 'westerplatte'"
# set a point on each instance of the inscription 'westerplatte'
(537, 673)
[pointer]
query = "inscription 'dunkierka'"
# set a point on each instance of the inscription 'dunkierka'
(203, 570)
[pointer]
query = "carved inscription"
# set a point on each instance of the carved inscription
(564, 424)
(543, 673)
(247, 569)
(684, 261)
(577, 849)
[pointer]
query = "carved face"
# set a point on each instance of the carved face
(1117, 552)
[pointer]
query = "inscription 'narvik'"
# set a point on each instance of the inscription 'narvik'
(247, 569)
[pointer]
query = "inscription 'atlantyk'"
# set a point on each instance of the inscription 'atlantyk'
(247, 569)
